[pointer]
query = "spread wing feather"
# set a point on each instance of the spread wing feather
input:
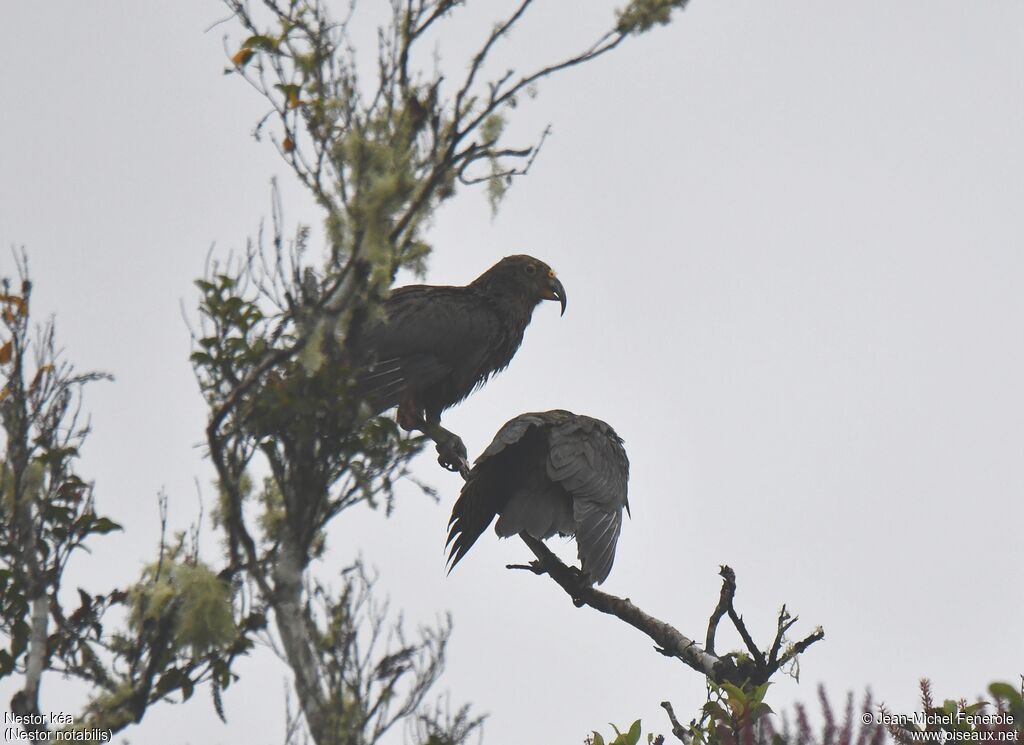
(489, 486)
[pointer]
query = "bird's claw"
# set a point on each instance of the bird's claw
(452, 455)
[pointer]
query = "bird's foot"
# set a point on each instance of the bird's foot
(452, 455)
(451, 450)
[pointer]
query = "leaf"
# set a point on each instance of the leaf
(19, 637)
(57, 514)
(220, 673)
(715, 710)
(85, 598)
(233, 304)
(1004, 691)
(760, 691)
(104, 525)
(169, 681)
(288, 145)
(242, 56)
(260, 42)
(118, 597)
(735, 692)
(736, 700)
(19, 304)
(598, 740)
(633, 736)
(255, 621)
(5, 353)
(56, 457)
(291, 94)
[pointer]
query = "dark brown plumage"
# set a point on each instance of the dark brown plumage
(436, 344)
(545, 473)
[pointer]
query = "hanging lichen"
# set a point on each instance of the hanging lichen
(199, 601)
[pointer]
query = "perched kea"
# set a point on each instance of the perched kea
(546, 473)
(436, 344)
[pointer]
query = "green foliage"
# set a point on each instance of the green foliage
(629, 737)
(110, 710)
(1011, 700)
(376, 175)
(236, 341)
(47, 510)
(998, 720)
(48, 513)
(731, 714)
(739, 716)
(297, 412)
(376, 687)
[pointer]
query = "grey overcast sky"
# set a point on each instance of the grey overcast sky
(793, 240)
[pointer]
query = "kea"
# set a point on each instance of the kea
(434, 345)
(546, 473)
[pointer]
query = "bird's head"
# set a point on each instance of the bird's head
(529, 276)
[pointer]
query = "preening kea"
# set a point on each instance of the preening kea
(545, 473)
(436, 344)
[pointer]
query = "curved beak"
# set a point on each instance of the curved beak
(555, 291)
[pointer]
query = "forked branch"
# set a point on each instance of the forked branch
(752, 667)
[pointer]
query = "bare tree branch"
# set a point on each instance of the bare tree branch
(670, 641)
(677, 729)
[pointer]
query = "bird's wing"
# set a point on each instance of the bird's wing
(487, 489)
(587, 458)
(426, 333)
(510, 433)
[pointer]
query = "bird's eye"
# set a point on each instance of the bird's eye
(531, 269)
